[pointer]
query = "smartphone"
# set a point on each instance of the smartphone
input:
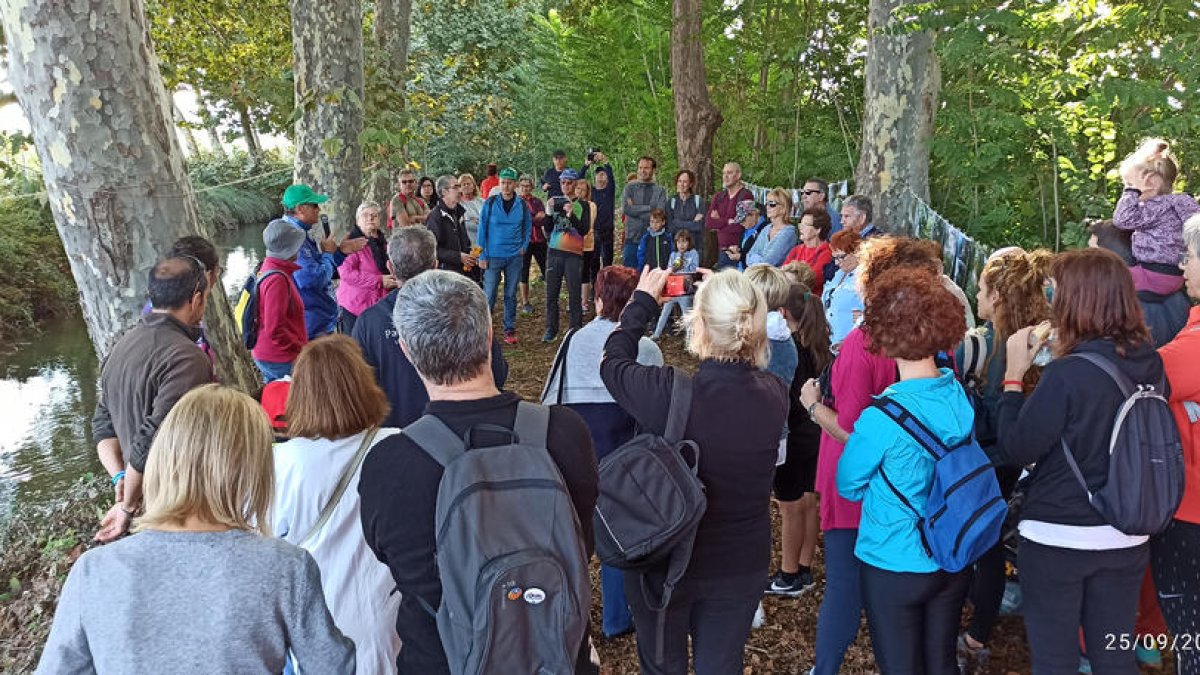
(325, 225)
(683, 283)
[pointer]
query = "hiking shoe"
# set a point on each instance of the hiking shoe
(550, 336)
(527, 308)
(790, 585)
(510, 337)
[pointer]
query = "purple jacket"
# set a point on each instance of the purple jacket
(362, 284)
(1157, 224)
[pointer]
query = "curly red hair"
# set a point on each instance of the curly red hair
(909, 314)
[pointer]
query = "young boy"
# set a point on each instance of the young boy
(655, 247)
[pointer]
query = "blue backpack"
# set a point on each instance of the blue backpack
(965, 511)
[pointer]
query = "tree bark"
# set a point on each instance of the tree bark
(696, 118)
(393, 29)
(188, 135)
(248, 134)
(902, 82)
(328, 67)
(210, 124)
(85, 74)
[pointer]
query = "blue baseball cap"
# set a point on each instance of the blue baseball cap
(568, 174)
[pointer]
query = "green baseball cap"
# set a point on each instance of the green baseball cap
(299, 194)
(509, 173)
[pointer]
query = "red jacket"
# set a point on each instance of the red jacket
(816, 258)
(486, 186)
(281, 331)
(1179, 361)
(728, 233)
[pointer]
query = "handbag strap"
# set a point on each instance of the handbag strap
(559, 369)
(340, 489)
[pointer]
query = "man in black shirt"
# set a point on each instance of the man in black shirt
(445, 328)
(411, 251)
(447, 222)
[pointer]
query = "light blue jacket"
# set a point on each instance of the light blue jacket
(503, 234)
(841, 300)
(887, 535)
(772, 250)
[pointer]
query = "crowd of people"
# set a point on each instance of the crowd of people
(412, 512)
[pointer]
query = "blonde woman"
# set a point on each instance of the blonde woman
(780, 236)
(334, 410)
(199, 587)
(737, 411)
(471, 202)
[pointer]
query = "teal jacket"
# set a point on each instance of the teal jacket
(887, 535)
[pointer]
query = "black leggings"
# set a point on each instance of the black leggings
(990, 573)
(1173, 556)
(535, 251)
(914, 619)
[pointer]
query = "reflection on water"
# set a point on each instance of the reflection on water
(48, 395)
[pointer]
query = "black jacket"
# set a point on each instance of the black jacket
(1077, 402)
(1166, 315)
(398, 492)
(450, 229)
(376, 334)
(737, 413)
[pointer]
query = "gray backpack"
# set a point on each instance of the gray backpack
(1145, 458)
(510, 553)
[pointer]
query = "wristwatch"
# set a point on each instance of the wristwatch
(812, 410)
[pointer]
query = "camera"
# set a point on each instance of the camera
(591, 154)
(683, 283)
(325, 225)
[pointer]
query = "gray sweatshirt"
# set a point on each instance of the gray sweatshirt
(645, 196)
(582, 366)
(194, 602)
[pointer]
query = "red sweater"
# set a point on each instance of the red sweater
(816, 258)
(728, 233)
(1179, 359)
(281, 332)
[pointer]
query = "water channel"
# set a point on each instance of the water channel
(48, 395)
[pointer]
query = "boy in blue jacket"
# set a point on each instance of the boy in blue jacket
(655, 248)
(505, 225)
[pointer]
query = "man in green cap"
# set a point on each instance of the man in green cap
(317, 259)
(505, 225)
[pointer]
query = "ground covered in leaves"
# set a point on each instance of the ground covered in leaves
(40, 545)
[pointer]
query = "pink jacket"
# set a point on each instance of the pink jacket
(362, 284)
(857, 376)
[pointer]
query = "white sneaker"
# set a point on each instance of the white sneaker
(760, 617)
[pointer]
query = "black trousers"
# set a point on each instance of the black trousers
(1063, 589)
(914, 619)
(536, 250)
(988, 581)
(560, 265)
(716, 613)
(1173, 560)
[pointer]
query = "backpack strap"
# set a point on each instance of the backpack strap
(436, 439)
(559, 370)
(347, 474)
(532, 425)
(1125, 384)
(681, 406)
(1075, 469)
(913, 426)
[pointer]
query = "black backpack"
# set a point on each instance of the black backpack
(1145, 458)
(651, 502)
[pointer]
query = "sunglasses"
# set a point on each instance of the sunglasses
(772, 204)
(811, 192)
(407, 182)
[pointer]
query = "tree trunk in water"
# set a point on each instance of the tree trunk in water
(86, 76)
(328, 67)
(902, 82)
(248, 131)
(696, 118)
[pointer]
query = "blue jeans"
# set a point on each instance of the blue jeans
(842, 606)
(629, 255)
(683, 302)
(272, 371)
(615, 610)
(511, 267)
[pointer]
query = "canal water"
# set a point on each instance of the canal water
(48, 395)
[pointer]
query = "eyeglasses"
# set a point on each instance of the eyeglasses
(1184, 258)
(811, 192)
(839, 257)
(772, 204)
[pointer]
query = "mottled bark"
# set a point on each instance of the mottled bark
(85, 73)
(328, 67)
(251, 138)
(189, 135)
(696, 118)
(902, 81)
(210, 125)
(393, 27)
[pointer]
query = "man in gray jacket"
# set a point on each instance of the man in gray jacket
(638, 200)
(149, 369)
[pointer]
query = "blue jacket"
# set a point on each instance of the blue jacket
(888, 536)
(503, 234)
(655, 249)
(314, 279)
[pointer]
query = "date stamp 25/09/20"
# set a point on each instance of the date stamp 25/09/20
(1177, 643)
